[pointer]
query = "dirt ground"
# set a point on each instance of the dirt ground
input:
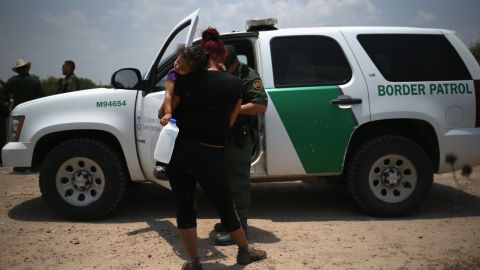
(302, 226)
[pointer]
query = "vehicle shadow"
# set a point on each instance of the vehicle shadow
(278, 202)
(296, 201)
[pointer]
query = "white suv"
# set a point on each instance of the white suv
(383, 107)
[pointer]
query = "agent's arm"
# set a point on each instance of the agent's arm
(252, 108)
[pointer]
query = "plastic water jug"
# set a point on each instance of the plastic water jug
(166, 142)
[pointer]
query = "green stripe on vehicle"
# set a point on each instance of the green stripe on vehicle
(319, 131)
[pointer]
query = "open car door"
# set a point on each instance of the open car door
(185, 28)
(150, 99)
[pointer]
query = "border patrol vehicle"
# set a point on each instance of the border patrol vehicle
(382, 107)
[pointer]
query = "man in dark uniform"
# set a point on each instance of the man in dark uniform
(70, 83)
(22, 87)
(3, 118)
(239, 148)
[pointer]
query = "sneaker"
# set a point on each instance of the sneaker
(223, 239)
(189, 266)
(160, 173)
(251, 255)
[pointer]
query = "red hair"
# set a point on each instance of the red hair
(211, 43)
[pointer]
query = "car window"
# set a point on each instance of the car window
(414, 57)
(162, 71)
(166, 62)
(244, 50)
(308, 61)
(243, 59)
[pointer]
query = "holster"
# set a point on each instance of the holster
(240, 135)
(243, 127)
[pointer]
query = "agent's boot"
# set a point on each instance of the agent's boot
(160, 172)
(218, 227)
(223, 239)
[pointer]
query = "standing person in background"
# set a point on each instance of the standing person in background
(242, 139)
(3, 119)
(208, 104)
(70, 83)
(22, 87)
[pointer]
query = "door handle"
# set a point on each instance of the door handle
(345, 100)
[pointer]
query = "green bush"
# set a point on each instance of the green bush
(50, 85)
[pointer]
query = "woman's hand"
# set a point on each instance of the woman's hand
(161, 111)
(221, 67)
(164, 120)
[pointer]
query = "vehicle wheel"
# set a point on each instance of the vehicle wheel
(82, 179)
(389, 176)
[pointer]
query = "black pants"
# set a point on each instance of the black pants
(192, 162)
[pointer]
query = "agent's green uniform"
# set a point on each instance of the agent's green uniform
(69, 84)
(23, 87)
(239, 147)
(3, 118)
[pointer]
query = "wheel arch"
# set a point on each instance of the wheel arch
(49, 141)
(419, 131)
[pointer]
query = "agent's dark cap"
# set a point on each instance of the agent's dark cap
(231, 56)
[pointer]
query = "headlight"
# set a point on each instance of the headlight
(15, 128)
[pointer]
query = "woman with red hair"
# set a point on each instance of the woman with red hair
(208, 104)
(213, 46)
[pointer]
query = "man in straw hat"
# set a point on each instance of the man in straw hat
(22, 87)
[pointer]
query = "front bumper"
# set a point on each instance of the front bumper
(17, 154)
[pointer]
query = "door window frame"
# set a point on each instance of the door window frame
(332, 83)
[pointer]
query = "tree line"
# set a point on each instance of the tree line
(50, 84)
(475, 49)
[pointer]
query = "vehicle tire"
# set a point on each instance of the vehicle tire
(83, 179)
(389, 176)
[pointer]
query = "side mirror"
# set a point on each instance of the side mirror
(126, 78)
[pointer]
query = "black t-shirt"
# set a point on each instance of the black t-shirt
(207, 101)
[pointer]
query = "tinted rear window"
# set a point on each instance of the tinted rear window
(413, 57)
(308, 61)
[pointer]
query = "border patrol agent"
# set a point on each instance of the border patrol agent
(23, 87)
(70, 83)
(239, 147)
